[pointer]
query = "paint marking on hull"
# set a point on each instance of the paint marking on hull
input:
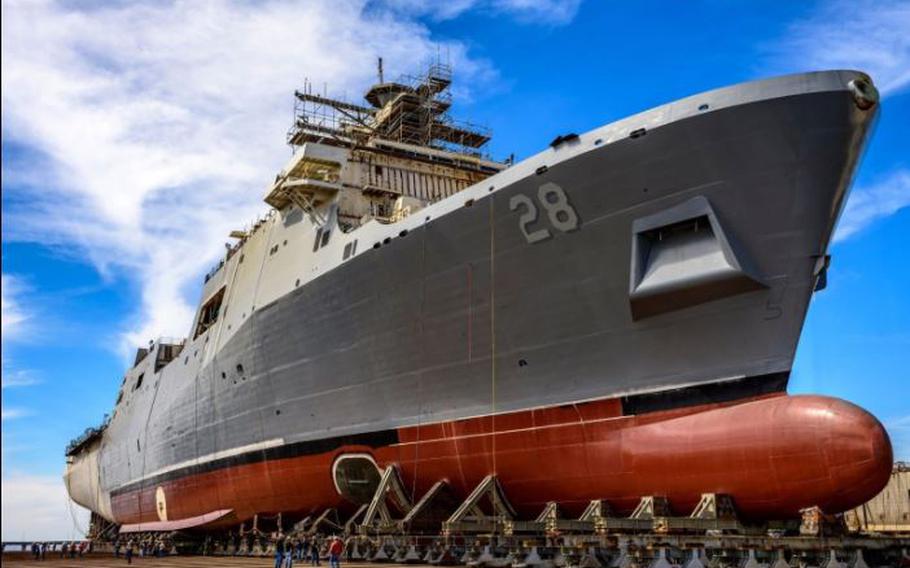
(268, 444)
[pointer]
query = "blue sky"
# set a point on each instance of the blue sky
(135, 136)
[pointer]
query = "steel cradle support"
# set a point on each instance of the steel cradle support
(470, 515)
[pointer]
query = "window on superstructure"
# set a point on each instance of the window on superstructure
(139, 381)
(167, 352)
(208, 313)
(322, 238)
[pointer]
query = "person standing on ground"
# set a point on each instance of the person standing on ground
(128, 553)
(279, 551)
(335, 550)
(314, 551)
(289, 553)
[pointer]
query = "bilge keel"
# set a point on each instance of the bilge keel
(613, 317)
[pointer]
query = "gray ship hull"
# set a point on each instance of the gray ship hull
(475, 313)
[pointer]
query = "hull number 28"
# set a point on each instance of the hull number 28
(560, 213)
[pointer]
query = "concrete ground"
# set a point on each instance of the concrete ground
(15, 560)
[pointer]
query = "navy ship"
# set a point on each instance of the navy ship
(613, 317)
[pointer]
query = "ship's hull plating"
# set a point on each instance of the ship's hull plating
(464, 317)
(774, 453)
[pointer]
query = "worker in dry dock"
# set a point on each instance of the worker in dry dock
(289, 553)
(279, 550)
(314, 551)
(335, 550)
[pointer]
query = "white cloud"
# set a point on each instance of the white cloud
(546, 12)
(555, 12)
(38, 508)
(868, 204)
(13, 319)
(13, 413)
(18, 378)
(158, 125)
(868, 35)
(12, 313)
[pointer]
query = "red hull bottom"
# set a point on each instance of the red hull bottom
(774, 454)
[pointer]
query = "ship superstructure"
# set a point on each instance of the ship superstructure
(577, 324)
(381, 161)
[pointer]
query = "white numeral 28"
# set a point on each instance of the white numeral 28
(560, 212)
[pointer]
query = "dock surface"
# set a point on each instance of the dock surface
(16, 560)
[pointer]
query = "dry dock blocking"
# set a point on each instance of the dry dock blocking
(641, 554)
(16, 560)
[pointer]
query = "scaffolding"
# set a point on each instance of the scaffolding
(413, 109)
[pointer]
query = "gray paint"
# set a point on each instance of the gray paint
(402, 334)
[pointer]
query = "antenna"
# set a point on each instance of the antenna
(380, 71)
